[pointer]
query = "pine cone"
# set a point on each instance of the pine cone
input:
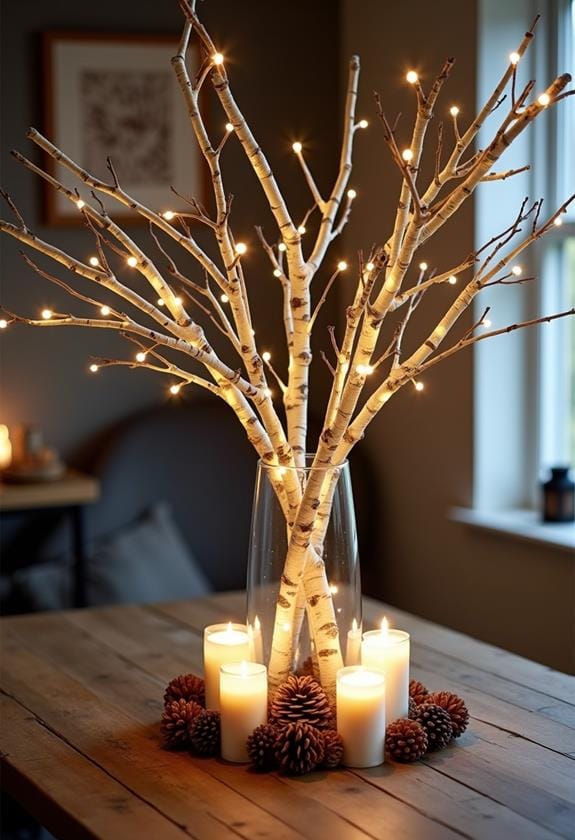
(177, 717)
(301, 699)
(333, 746)
(299, 748)
(418, 692)
(261, 747)
(455, 707)
(186, 687)
(412, 709)
(306, 668)
(204, 732)
(405, 740)
(437, 723)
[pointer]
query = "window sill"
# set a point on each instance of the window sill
(523, 524)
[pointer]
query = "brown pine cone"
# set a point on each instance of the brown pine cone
(299, 748)
(437, 724)
(186, 687)
(405, 740)
(333, 746)
(204, 732)
(177, 717)
(455, 707)
(261, 747)
(412, 709)
(301, 699)
(418, 692)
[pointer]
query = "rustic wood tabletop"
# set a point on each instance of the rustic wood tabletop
(81, 702)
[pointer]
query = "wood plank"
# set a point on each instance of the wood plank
(73, 797)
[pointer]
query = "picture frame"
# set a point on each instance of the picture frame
(116, 95)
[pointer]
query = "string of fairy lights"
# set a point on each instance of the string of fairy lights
(241, 248)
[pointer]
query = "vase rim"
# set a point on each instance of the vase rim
(309, 466)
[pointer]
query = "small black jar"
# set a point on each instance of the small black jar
(559, 497)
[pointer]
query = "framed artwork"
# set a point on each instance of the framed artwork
(117, 96)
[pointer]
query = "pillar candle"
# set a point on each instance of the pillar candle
(223, 643)
(388, 650)
(243, 706)
(353, 649)
(361, 715)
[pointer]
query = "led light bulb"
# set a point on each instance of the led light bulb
(224, 298)
(363, 123)
(175, 389)
(301, 229)
(517, 270)
(178, 300)
(342, 265)
(94, 368)
(412, 77)
(419, 386)
(351, 194)
(370, 266)
(266, 356)
(486, 323)
(80, 204)
(132, 262)
(229, 128)
(514, 57)
(3, 323)
(168, 215)
(277, 272)
(544, 99)
(364, 370)
(452, 280)
(407, 155)
(94, 261)
(282, 247)
(140, 357)
(218, 58)
(46, 314)
(241, 248)
(160, 302)
(104, 310)
(558, 221)
(423, 266)
(297, 147)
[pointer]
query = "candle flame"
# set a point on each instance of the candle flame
(354, 625)
(257, 623)
(384, 627)
(229, 628)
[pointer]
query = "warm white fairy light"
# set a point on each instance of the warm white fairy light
(486, 323)
(419, 386)
(241, 248)
(268, 392)
(141, 356)
(297, 147)
(363, 123)
(266, 356)
(407, 155)
(3, 323)
(160, 302)
(224, 298)
(282, 247)
(218, 58)
(175, 389)
(333, 589)
(558, 221)
(94, 368)
(47, 314)
(452, 279)
(370, 266)
(179, 300)
(277, 272)
(514, 57)
(229, 128)
(351, 194)
(104, 310)
(517, 270)
(544, 99)
(454, 110)
(94, 261)
(364, 370)
(342, 265)
(412, 77)
(423, 266)
(132, 262)
(80, 204)
(168, 215)
(301, 229)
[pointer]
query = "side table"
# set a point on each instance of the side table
(70, 494)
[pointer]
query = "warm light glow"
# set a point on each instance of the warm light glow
(370, 266)
(486, 323)
(241, 248)
(301, 229)
(286, 628)
(544, 99)
(80, 204)
(253, 332)
(514, 57)
(384, 627)
(224, 298)
(229, 128)
(94, 261)
(419, 386)
(351, 194)
(132, 262)
(160, 302)
(268, 392)
(558, 221)
(452, 279)
(423, 266)
(218, 58)
(175, 389)
(297, 147)
(282, 246)
(342, 265)
(277, 272)
(364, 370)
(516, 270)
(94, 368)
(333, 589)
(454, 110)
(140, 357)
(46, 314)
(266, 356)
(407, 155)
(412, 77)
(363, 123)
(354, 625)
(178, 300)
(3, 323)
(104, 310)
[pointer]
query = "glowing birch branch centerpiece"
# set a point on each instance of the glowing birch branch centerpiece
(369, 360)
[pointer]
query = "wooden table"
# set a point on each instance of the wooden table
(70, 494)
(82, 697)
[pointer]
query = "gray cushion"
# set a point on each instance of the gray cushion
(143, 563)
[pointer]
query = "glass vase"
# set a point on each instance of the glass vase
(335, 556)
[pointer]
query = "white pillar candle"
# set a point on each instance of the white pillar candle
(361, 715)
(353, 649)
(223, 643)
(388, 650)
(243, 706)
